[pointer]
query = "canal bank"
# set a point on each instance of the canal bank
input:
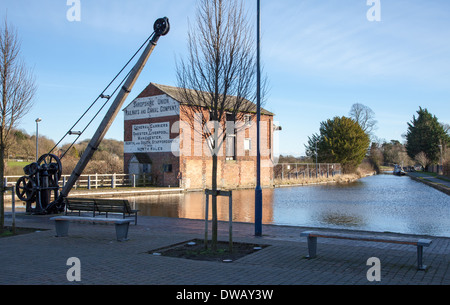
(107, 192)
(377, 203)
(347, 178)
(440, 183)
(126, 192)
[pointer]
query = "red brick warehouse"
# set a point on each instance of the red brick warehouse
(160, 142)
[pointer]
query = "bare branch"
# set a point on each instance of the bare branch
(364, 116)
(17, 89)
(219, 74)
(17, 83)
(218, 77)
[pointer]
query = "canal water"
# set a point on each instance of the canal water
(382, 203)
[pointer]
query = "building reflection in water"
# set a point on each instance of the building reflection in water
(192, 205)
(377, 203)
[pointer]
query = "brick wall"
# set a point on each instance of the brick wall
(239, 173)
(197, 174)
(159, 159)
(195, 163)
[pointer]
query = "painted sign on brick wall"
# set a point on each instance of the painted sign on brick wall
(153, 137)
(151, 107)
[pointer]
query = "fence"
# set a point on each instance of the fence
(439, 169)
(95, 181)
(306, 170)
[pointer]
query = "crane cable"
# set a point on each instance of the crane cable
(102, 95)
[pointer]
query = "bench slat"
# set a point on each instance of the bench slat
(101, 206)
(113, 205)
(373, 238)
(78, 202)
(62, 225)
(420, 243)
(116, 206)
(91, 219)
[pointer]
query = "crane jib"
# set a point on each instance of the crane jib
(42, 177)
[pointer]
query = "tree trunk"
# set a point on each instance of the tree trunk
(214, 151)
(214, 203)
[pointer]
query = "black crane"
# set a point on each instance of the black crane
(42, 177)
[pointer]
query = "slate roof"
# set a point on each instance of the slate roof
(176, 94)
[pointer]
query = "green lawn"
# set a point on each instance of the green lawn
(18, 164)
(435, 175)
(15, 168)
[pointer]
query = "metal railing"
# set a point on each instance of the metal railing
(94, 181)
(306, 170)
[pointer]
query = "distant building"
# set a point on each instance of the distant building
(155, 145)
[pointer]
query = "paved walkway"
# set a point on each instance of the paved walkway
(40, 258)
(441, 183)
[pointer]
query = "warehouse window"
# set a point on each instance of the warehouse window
(247, 119)
(167, 168)
(231, 138)
(248, 144)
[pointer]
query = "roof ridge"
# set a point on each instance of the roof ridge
(168, 90)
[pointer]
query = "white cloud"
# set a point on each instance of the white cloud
(334, 40)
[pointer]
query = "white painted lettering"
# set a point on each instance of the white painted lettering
(374, 13)
(246, 294)
(374, 273)
(74, 273)
(196, 295)
(74, 12)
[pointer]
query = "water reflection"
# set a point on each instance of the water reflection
(378, 203)
(341, 219)
(192, 206)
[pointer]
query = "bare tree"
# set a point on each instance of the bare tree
(422, 159)
(218, 78)
(364, 116)
(17, 92)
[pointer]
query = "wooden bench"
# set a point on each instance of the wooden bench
(101, 206)
(80, 204)
(420, 243)
(121, 206)
(62, 225)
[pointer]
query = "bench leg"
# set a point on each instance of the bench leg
(62, 228)
(312, 247)
(122, 231)
(420, 265)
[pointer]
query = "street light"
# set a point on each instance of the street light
(441, 165)
(316, 158)
(258, 190)
(37, 137)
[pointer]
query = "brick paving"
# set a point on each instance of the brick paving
(40, 258)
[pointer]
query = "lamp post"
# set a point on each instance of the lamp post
(37, 137)
(316, 159)
(441, 163)
(258, 190)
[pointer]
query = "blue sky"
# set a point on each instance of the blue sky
(321, 56)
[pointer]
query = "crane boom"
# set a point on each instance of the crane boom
(161, 28)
